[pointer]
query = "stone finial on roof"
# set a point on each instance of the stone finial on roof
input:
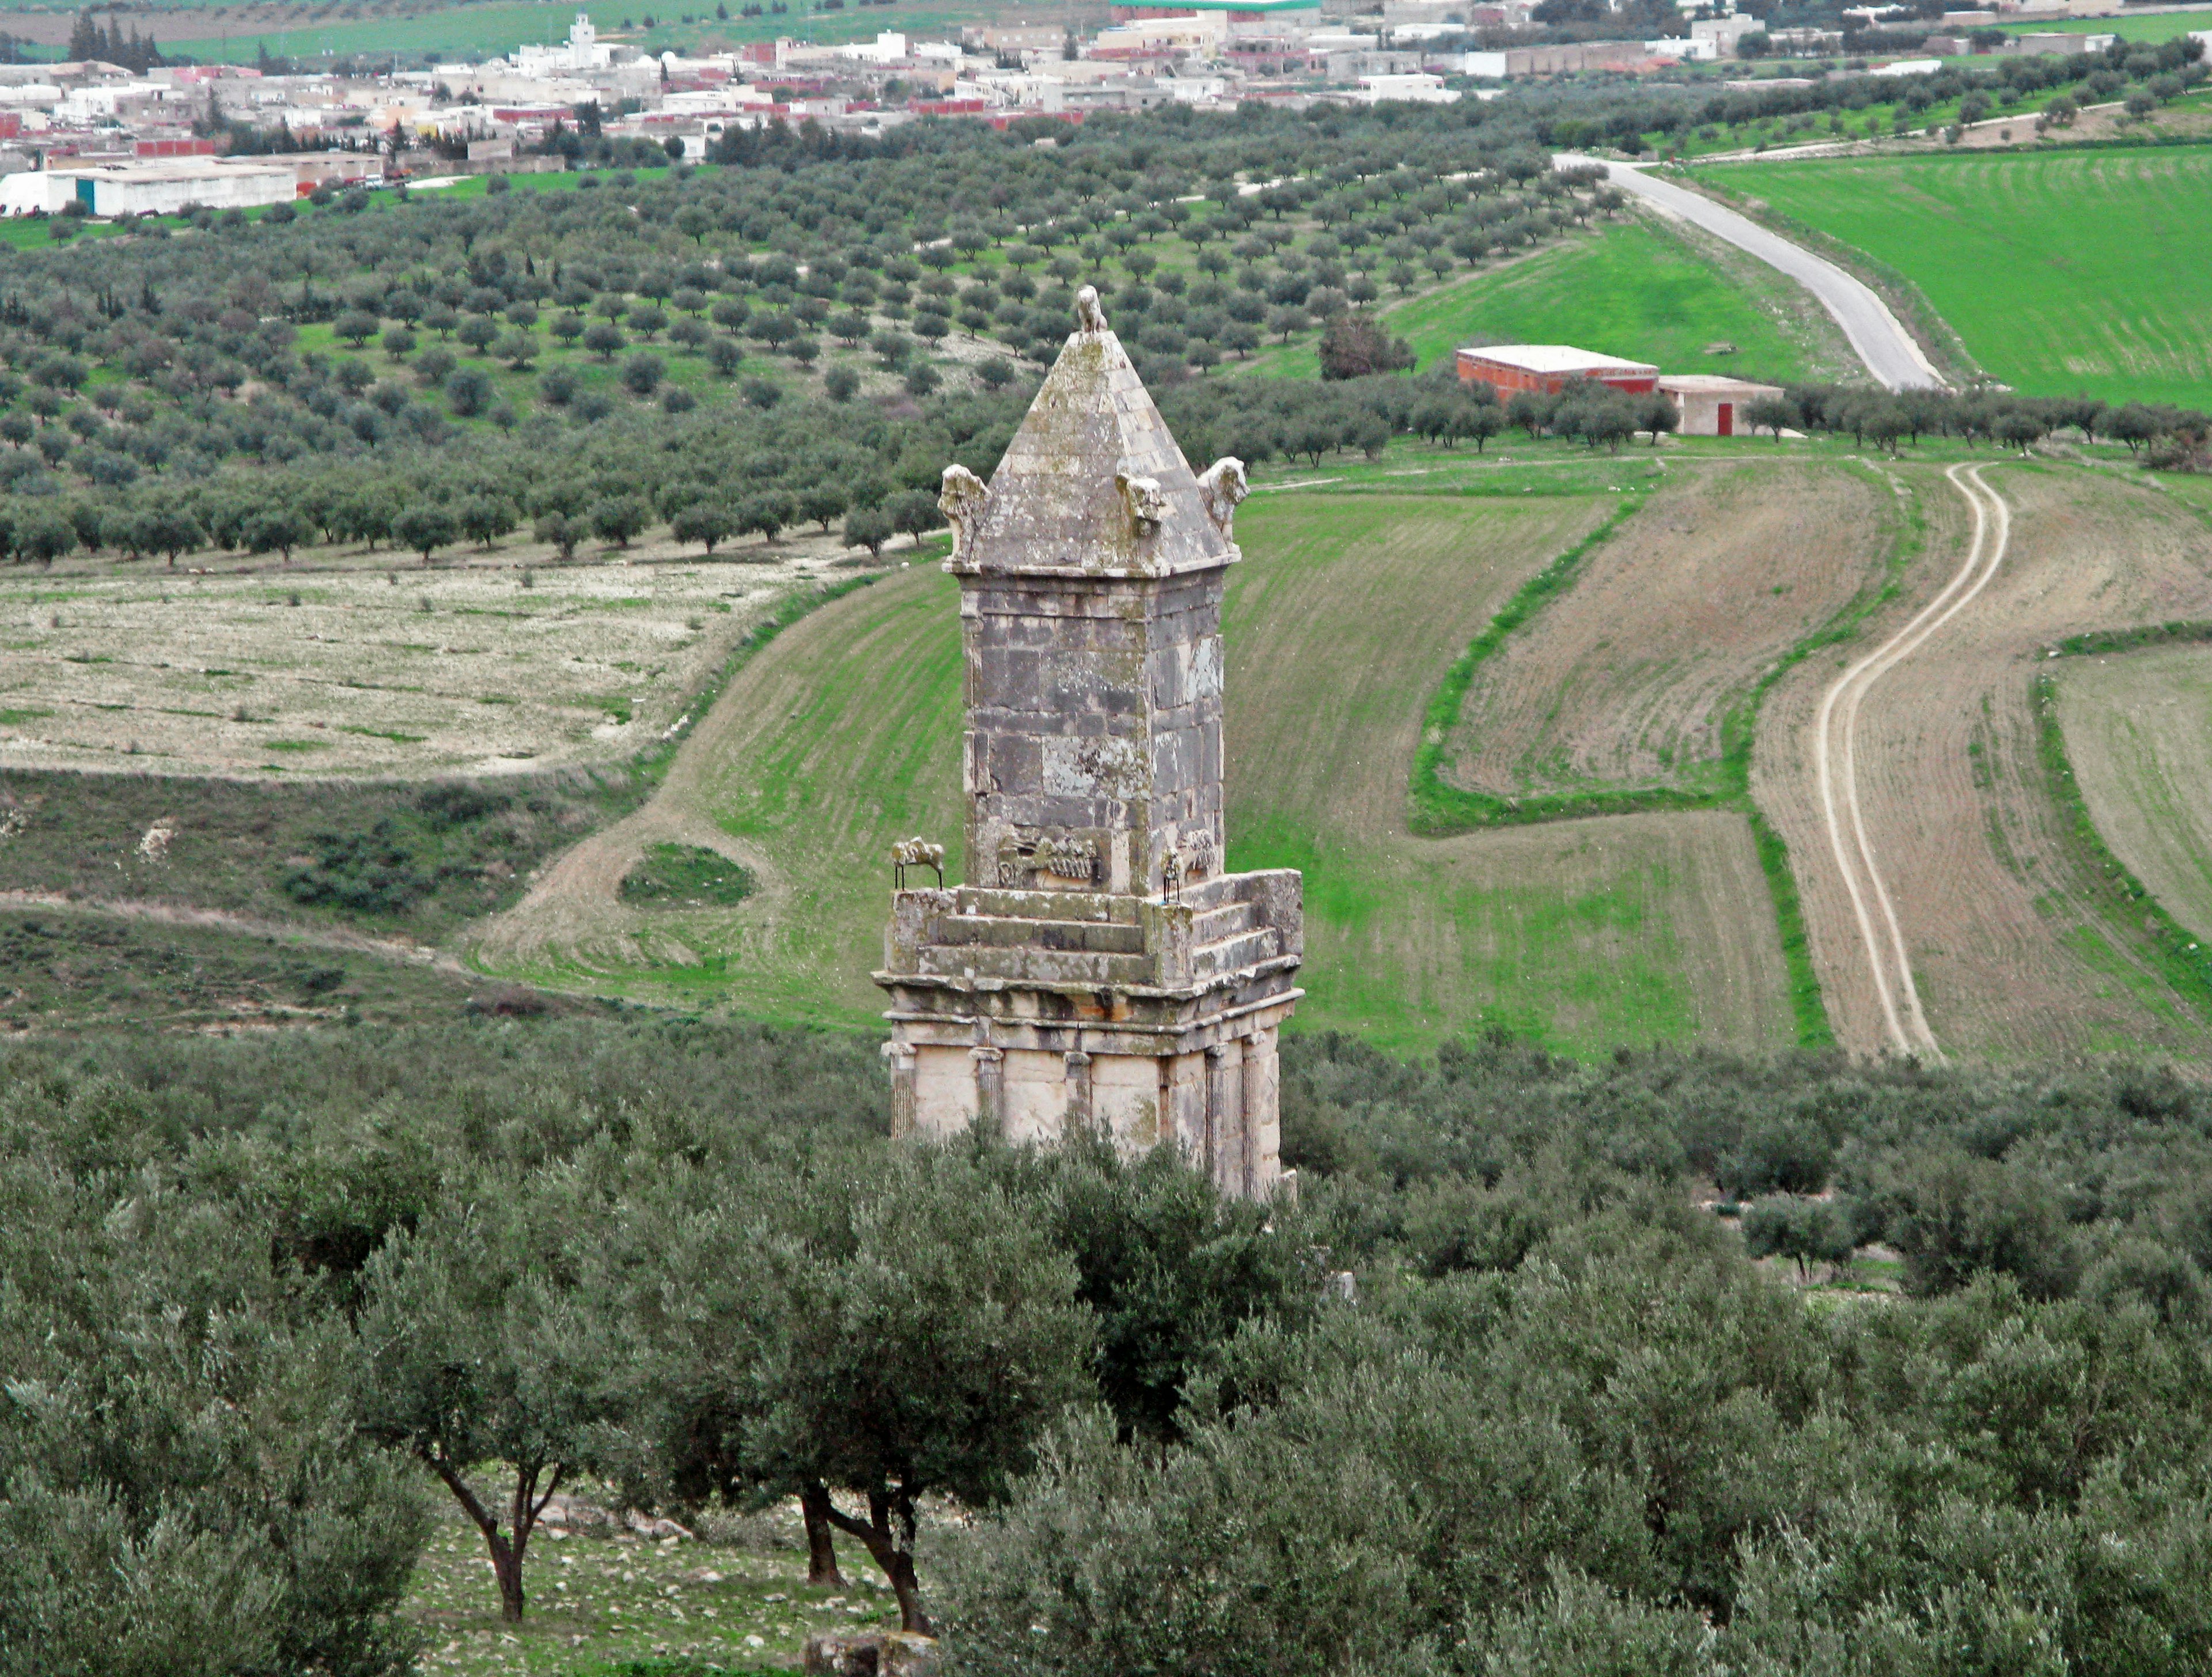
(1092, 483)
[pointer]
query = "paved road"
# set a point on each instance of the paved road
(1880, 340)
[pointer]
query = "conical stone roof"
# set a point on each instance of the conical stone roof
(1092, 483)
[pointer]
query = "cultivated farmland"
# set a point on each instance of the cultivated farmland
(842, 735)
(359, 663)
(2062, 273)
(1587, 933)
(2014, 949)
(1624, 681)
(2139, 737)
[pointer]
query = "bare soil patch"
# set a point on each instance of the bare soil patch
(2010, 957)
(1624, 681)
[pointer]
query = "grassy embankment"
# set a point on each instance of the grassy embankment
(1633, 288)
(1351, 606)
(2063, 274)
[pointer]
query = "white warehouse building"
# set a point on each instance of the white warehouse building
(161, 186)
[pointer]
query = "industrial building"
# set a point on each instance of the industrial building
(161, 186)
(1510, 368)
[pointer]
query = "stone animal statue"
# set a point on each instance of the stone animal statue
(1146, 502)
(961, 497)
(915, 852)
(1223, 485)
(1089, 317)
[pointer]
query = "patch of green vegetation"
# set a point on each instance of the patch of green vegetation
(9, 719)
(687, 876)
(415, 857)
(296, 745)
(2063, 273)
(78, 968)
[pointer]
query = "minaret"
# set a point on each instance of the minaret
(1102, 970)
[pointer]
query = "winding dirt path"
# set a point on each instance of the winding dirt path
(1835, 741)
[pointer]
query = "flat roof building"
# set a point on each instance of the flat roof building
(163, 185)
(1711, 404)
(1510, 368)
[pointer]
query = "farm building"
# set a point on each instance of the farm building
(1711, 405)
(1510, 368)
(163, 185)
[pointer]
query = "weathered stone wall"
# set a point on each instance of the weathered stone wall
(1094, 730)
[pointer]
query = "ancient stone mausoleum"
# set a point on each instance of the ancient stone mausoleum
(1103, 970)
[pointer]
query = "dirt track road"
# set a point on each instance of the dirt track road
(1949, 906)
(1876, 335)
(1835, 760)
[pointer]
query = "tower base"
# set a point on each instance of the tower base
(1039, 1013)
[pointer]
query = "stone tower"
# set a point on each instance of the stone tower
(1103, 970)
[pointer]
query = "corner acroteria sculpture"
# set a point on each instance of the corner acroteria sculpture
(1103, 971)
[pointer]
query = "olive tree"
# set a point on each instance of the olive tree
(477, 1350)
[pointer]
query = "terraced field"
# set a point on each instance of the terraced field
(843, 734)
(1624, 683)
(2063, 273)
(2139, 735)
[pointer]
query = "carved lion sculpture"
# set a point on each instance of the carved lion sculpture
(1224, 486)
(1089, 317)
(961, 497)
(915, 852)
(1146, 500)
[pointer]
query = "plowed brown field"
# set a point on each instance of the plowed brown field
(2008, 958)
(2139, 733)
(1623, 683)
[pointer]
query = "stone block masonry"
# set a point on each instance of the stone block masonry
(1102, 970)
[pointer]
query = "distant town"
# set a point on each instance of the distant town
(92, 136)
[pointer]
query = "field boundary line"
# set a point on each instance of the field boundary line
(1440, 810)
(1908, 1030)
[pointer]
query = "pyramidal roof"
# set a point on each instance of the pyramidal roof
(1092, 483)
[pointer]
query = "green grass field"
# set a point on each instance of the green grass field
(2063, 274)
(844, 735)
(2160, 26)
(1635, 289)
(1632, 287)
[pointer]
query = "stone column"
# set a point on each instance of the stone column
(990, 1087)
(901, 1057)
(1224, 1116)
(1079, 1116)
(1262, 1121)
